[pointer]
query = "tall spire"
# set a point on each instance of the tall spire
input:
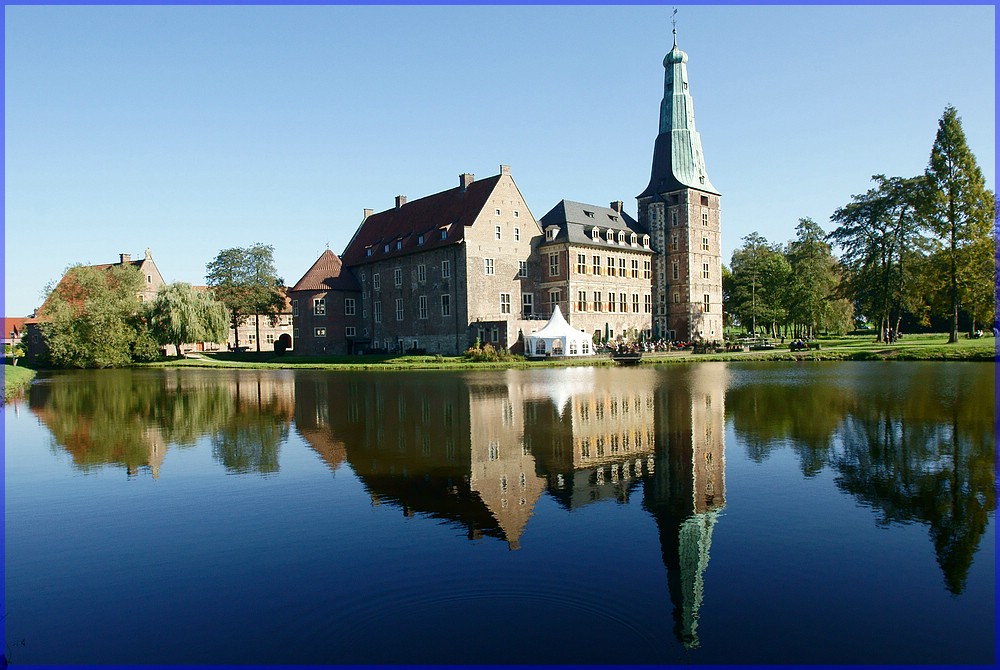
(678, 161)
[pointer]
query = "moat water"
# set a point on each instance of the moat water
(832, 513)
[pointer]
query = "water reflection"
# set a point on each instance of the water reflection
(907, 441)
(479, 450)
(131, 418)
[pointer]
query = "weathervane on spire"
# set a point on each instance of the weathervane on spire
(673, 20)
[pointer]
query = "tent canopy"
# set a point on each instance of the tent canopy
(557, 338)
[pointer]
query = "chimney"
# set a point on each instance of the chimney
(505, 169)
(400, 201)
(617, 206)
(465, 179)
(369, 212)
(125, 258)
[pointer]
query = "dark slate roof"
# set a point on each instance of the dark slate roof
(451, 210)
(327, 273)
(577, 220)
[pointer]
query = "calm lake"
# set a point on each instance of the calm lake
(715, 513)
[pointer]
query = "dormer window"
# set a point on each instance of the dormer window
(633, 239)
(610, 235)
(645, 240)
(444, 233)
(420, 239)
(621, 237)
(595, 234)
(399, 244)
(551, 233)
(368, 251)
(589, 214)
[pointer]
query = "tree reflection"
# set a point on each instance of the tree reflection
(913, 442)
(130, 418)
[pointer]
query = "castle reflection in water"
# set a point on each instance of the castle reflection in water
(480, 449)
(476, 449)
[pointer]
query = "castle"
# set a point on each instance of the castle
(471, 263)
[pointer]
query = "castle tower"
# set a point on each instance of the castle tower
(680, 208)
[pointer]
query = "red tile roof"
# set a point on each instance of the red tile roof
(12, 324)
(327, 273)
(402, 227)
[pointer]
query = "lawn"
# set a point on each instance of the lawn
(923, 347)
(15, 380)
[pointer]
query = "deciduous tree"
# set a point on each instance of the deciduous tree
(246, 282)
(180, 314)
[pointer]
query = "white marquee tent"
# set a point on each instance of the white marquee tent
(557, 338)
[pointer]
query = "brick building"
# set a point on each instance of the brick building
(326, 308)
(438, 272)
(596, 265)
(680, 208)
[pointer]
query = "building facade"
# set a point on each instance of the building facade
(326, 308)
(596, 265)
(439, 272)
(680, 207)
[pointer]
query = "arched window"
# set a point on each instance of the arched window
(610, 236)
(595, 233)
(621, 237)
(539, 346)
(645, 240)
(556, 347)
(634, 239)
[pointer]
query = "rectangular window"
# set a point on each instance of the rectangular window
(376, 281)
(269, 338)
(295, 333)
(496, 232)
(704, 219)
(704, 271)
(378, 311)
(581, 264)
(554, 265)
(623, 302)
(707, 302)
(673, 217)
(399, 309)
(505, 303)
(498, 212)
(527, 304)
(555, 297)
(635, 269)
(397, 277)
(350, 331)
(517, 231)
(673, 243)
(635, 303)
(319, 306)
(676, 270)
(445, 269)
(522, 268)
(420, 240)
(611, 302)
(621, 267)
(704, 200)
(647, 303)
(704, 244)
(488, 265)
(677, 298)
(421, 273)
(516, 214)
(444, 233)
(295, 308)
(647, 272)
(317, 332)
(349, 307)
(422, 306)
(611, 266)
(596, 264)
(581, 301)
(446, 305)
(597, 301)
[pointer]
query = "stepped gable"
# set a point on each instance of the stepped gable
(450, 210)
(327, 274)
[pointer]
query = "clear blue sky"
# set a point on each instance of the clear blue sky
(192, 129)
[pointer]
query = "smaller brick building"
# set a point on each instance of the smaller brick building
(326, 309)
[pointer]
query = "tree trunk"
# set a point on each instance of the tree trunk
(953, 335)
(256, 321)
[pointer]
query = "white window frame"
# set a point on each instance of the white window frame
(445, 304)
(422, 307)
(350, 308)
(489, 267)
(445, 269)
(319, 306)
(397, 277)
(505, 303)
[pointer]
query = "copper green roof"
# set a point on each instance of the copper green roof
(678, 161)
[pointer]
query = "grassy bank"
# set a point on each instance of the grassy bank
(15, 380)
(932, 347)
